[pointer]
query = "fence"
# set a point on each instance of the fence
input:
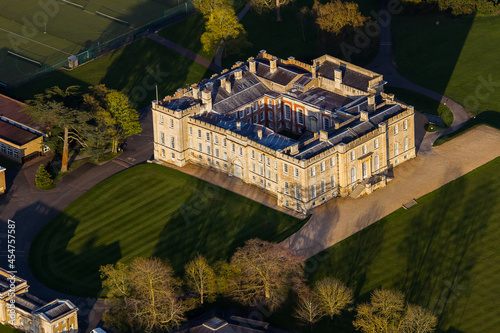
(99, 49)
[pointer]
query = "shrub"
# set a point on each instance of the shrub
(43, 180)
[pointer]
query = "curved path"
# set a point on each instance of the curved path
(32, 209)
(384, 64)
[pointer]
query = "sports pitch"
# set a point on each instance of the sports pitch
(35, 34)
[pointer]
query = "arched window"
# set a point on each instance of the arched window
(365, 170)
(326, 124)
(353, 174)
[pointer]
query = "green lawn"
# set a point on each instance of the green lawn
(8, 329)
(290, 37)
(443, 253)
(453, 58)
(423, 103)
(127, 69)
(148, 210)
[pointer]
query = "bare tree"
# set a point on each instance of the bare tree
(156, 304)
(200, 278)
(387, 312)
(308, 309)
(267, 271)
(333, 296)
(418, 320)
(144, 294)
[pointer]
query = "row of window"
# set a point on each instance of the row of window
(170, 121)
(8, 150)
(162, 140)
(314, 192)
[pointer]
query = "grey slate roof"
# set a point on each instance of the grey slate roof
(349, 77)
(323, 99)
(269, 138)
(283, 75)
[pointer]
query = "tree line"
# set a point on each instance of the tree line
(146, 296)
(97, 121)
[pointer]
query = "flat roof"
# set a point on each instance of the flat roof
(13, 109)
(16, 135)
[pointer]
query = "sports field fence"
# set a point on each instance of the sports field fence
(99, 49)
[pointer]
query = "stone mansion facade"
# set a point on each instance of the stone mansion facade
(304, 133)
(28, 313)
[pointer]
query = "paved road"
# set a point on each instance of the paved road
(32, 209)
(185, 52)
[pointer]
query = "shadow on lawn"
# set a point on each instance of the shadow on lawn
(359, 252)
(66, 270)
(214, 222)
(441, 251)
(419, 35)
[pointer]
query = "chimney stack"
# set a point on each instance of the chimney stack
(196, 91)
(273, 64)
(314, 72)
(238, 125)
(238, 74)
(228, 86)
(338, 75)
(259, 134)
(371, 103)
(363, 115)
(252, 65)
(323, 135)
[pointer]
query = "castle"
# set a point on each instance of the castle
(304, 133)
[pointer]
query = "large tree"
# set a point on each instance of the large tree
(267, 5)
(209, 7)
(114, 116)
(333, 296)
(145, 294)
(267, 271)
(200, 278)
(333, 16)
(388, 313)
(58, 109)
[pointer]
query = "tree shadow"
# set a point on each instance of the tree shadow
(350, 259)
(215, 222)
(60, 265)
(421, 34)
(441, 249)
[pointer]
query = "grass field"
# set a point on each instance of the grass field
(8, 329)
(291, 37)
(148, 210)
(454, 57)
(43, 35)
(443, 253)
(126, 70)
(422, 103)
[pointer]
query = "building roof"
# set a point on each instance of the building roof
(15, 134)
(13, 110)
(283, 74)
(269, 138)
(349, 77)
(324, 99)
(56, 309)
(226, 322)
